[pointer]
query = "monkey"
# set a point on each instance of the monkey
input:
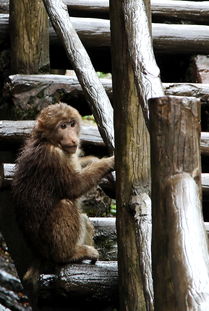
(49, 179)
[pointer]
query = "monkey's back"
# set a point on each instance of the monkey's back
(38, 189)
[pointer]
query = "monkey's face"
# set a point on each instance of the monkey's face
(59, 125)
(67, 132)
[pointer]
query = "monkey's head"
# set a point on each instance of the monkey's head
(59, 124)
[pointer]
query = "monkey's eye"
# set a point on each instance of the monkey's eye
(72, 123)
(63, 126)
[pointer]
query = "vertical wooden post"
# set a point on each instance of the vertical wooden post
(29, 37)
(132, 163)
(179, 244)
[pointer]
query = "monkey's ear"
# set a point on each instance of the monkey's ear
(39, 124)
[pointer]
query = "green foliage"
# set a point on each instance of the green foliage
(113, 209)
(103, 74)
(88, 118)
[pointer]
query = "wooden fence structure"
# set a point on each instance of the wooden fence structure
(174, 274)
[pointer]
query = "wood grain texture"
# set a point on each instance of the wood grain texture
(180, 254)
(29, 36)
(132, 171)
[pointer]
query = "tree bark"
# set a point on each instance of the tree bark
(180, 254)
(132, 171)
(92, 87)
(29, 37)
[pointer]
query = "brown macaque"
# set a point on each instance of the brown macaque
(49, 180)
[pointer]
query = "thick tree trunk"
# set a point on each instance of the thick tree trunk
(180, 254)
(92, 87)
(132, 169)
(29, 37)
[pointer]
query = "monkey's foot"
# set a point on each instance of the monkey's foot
(83, 252)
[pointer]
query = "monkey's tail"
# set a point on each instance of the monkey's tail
(31, 282)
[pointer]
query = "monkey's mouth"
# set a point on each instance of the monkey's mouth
(70, 148)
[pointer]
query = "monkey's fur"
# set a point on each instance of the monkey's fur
(47, 184)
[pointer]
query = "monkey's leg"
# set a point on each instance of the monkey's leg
(63, 233)
(87, 231)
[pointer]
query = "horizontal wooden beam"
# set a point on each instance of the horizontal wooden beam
(196, 12)
(9, 172)
(167, 38)
(34, 85)
(17, 131)
(86, 286)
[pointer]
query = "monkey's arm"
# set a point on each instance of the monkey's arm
(83, 181)
(87, 160)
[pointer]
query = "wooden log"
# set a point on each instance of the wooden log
(31, 93)
(198, 90)
(162, 10)
(167, 38)
(93, 287)
(50, 84)
(15, 132)
(29, 37)
(195, 12)
(192, 12)
(8, 170)
(30, 90)
(132, 154)
(175, 162)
